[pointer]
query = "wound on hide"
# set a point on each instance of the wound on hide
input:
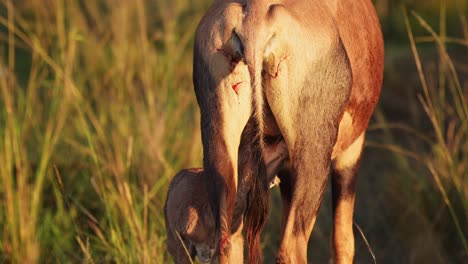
(235, 87)
(233, 60)
(224, 244)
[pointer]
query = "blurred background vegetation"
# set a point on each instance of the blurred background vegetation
(97, 113)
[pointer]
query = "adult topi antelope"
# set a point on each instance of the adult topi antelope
(309, 71)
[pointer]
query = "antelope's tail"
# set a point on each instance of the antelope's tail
(258, 199)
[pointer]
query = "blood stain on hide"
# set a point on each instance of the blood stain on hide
(225, 54)
(224, 243)
(277, 70)
(235, 87)
(233, 60)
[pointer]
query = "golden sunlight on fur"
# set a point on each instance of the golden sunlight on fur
(188, 213)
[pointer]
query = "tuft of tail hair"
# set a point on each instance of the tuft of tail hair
(258, 198)
(257, 209)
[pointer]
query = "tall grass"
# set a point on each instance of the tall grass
(446, 106)
(436, 156)
(95, 116)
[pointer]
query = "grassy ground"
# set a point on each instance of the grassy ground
(97, 113)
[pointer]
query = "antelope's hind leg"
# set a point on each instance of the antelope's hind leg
(344, 171)
(302, 194)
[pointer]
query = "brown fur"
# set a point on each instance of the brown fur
(310, 71)
(187, 212)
